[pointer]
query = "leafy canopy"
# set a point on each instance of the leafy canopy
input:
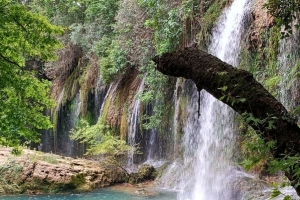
(23, 98)
(284, 12)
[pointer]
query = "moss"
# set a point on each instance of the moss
(254, 153)
(272, 84)
(10, 173)
(146, 172)
(49, 158)
(123, 126)
(71, 85)
(105, 110)
(77, 180)
(262, 62)
(272, 38)
(35, 186)
(89, 117)
(209, 19)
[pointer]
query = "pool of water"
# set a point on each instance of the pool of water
(101, 194)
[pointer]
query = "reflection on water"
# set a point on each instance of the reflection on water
(102, 194)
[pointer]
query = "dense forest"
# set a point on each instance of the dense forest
(83, 78)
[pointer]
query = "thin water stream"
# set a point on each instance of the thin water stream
(133, 128)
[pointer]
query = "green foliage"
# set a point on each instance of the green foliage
(188, 7)
(294, 73)
(114, 63)
(209, 19)
(17, 151)
(276, 193)
(87, 21)
(49, 158)
(271, 51)
(227, 96)
(166, 23)
(23, 98)
(289, 164)
(272, 83)
(155, 94)
(10, 173)
(251, 62)
(99, 20)
(102, 12)
(98, 140)
(263, 63)
(77, 180)
(85, 35)
(254, 149)
(60, 12)
(284, 13)
(267, 122)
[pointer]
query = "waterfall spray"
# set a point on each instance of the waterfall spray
(208, 171)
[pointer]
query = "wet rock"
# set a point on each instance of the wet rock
(145, 173)
(141, 192)
(261, 20)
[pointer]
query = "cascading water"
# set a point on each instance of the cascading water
(133, 127)
(208, 171)
(154, 143)
(68, 116)
(100, 94)
(287, 59)
(176, 99)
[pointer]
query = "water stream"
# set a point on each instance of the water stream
(208, 171)
(133, 128)
(288, 56)
(68, 117)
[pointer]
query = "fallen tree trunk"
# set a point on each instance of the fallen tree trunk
(238, 89)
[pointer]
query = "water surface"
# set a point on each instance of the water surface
(101, 194)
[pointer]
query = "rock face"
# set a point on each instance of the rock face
(261, 21)
(145, 173)
(47, 173)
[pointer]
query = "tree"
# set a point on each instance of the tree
(239, 90)
(23, 98)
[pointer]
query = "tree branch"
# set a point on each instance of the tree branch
(242, 93)
(9, 61)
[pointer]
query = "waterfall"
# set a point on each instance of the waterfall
(133, 127)
(288, 57)
(208, 171)
(176, 102)
(154, 144)
(100, 94)
(211, 157)
(67, 119)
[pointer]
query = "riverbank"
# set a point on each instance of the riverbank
(36, 172)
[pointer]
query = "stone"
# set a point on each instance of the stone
(38, 176)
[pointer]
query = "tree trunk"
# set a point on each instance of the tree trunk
(238, 89)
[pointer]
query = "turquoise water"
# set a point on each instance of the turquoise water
(102, 194)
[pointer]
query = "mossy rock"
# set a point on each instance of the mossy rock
(77, 183)
(145, 173)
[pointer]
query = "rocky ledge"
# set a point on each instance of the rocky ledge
(36, 172)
